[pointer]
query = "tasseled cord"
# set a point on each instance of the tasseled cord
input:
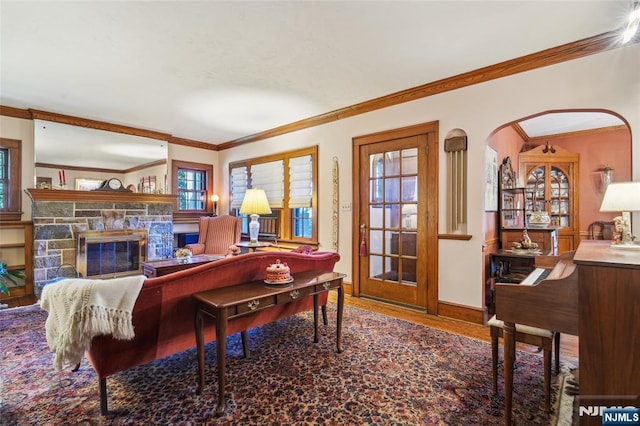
(363, 242)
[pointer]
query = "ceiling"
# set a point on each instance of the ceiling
(220, 70)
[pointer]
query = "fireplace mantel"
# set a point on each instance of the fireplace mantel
(88, 196)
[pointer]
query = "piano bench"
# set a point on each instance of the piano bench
(532, 336)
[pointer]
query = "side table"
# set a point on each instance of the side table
(252, 246)
(227, 303)
(158, 268)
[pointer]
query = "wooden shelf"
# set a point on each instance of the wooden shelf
(100, 196)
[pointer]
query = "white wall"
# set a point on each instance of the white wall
(609, 80)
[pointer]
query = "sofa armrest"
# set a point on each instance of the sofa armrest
(195, 248)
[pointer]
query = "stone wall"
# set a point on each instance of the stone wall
(57, 223)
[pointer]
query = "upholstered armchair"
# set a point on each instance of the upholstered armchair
(216, 234)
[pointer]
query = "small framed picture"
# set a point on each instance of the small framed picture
(87, 184)
(43, 182)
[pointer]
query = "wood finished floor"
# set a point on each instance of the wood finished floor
(568, 344)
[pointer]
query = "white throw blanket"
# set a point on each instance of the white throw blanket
(80, 309)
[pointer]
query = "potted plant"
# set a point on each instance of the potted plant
(7, 276)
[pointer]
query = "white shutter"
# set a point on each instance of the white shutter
(238, 186)
(270, 177)
(300, 181)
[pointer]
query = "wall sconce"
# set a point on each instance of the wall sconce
(606, 174)
(214, 200)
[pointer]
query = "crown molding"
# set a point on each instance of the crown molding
(566, 52)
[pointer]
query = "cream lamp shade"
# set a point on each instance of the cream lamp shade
(622, 197)
(254, 204)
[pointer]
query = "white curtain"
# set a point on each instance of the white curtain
(300, 181)
(238, 186)
(270, 177)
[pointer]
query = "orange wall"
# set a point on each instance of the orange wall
(597, 149)
(612, 148)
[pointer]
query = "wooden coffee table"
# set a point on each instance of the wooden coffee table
(158, 268)
(227, 303)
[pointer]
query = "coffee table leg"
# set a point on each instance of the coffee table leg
(339, 321)
(200, 347)
(221, 346)
(315, 318)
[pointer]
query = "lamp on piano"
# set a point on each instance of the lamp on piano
(622, 197)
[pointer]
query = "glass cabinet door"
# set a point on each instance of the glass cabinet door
(560, 201)
(548, 190)
(536, 190)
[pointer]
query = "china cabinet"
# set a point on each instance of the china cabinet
(515, 212)
(550, 175)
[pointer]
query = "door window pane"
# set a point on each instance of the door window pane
(392, 216)
(375, 266)
(410, 161)
(376, 216)
(392, 190)
(375, 241)
(392, 163)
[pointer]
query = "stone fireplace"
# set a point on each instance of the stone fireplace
(60, 217)
(109, 254)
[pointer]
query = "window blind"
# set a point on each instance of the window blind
(300, 181)
(238, 186)
(270, 177)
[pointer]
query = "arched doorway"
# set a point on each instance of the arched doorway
(600, 138)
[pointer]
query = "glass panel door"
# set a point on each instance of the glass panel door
(392, 219)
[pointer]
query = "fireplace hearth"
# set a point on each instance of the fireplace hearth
(110, 254)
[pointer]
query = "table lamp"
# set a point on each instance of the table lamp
(622, 197)
(254, 204)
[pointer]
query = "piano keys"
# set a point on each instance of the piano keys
(549, 303)
(538, 275)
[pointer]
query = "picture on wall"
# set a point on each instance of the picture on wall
(88, 184)
(491, 180)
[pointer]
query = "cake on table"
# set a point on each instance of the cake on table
(278, 273)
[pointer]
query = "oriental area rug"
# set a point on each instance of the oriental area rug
(391, 372)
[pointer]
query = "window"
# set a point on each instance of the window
(193, 184)
(290, 182)
(10, 179)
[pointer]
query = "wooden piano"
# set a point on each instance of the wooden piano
(550, 303)
(593, 293)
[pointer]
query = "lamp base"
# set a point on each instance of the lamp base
(254, 228)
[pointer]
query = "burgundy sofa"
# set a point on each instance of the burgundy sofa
(163, 315)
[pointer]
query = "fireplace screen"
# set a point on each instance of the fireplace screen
(103, 254)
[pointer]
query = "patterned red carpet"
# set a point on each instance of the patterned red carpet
(391, 372)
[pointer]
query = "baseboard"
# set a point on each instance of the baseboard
(461, 312)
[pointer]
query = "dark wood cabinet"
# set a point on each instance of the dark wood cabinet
(609, 291)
